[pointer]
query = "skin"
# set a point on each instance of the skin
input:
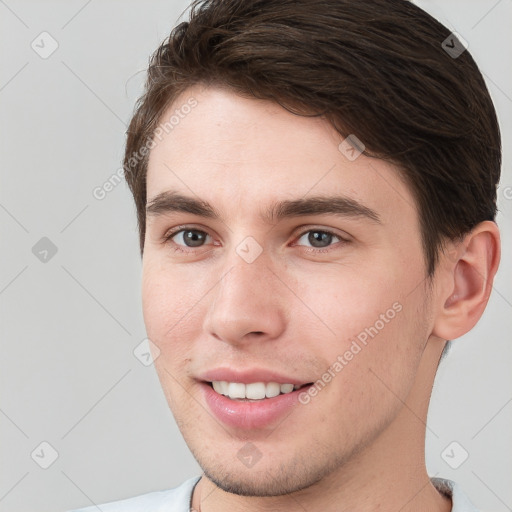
(359, 444)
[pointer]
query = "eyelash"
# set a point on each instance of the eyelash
(183, 249)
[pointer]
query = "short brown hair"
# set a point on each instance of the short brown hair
(377, 69)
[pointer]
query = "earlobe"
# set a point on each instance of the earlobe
(470, 277)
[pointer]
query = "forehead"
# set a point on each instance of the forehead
(245, 153)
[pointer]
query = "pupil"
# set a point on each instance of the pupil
(194, 238)
(319, 239)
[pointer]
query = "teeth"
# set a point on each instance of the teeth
(273, 389)
(287, 388)
(236, 390)
(253, 391)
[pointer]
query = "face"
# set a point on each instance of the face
(273, 256)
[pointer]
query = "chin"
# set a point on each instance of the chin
(261, 484)
(275, 476)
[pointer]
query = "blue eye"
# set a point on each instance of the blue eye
(318, 239)
(186, 239)
(189, 237)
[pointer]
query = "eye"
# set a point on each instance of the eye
(318, 239)
(188, 237)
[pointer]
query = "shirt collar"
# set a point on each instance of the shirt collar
(460, 502)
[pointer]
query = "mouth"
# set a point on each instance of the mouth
(254, 391)
(251, 398)
(233, 403)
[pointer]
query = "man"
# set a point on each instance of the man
(315, 186)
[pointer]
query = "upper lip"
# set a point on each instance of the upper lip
(248, 376)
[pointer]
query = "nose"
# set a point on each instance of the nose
(246, 304)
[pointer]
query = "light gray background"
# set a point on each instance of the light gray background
(69, 326)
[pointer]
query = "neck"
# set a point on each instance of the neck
(390, 474)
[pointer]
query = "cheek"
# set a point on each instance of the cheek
(171, 304)
(346, 299)
(168, 301)
(374, 317)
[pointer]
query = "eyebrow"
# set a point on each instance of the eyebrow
(170, 201)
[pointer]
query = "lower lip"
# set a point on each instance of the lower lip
(250, 415)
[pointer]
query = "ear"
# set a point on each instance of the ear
(467, 279)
